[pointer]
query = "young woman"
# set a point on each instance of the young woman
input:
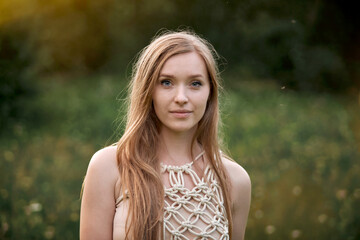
(166, 178)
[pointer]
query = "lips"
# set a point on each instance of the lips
(181, 113)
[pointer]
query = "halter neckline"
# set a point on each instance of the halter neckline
(165, 167)
(194, 204)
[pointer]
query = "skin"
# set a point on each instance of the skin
(181, 93)
(241, 197)
(180, 97)
(98, 199)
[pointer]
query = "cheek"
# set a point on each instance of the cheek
(159, 104)
(202, 103)
(157, 108)
(206, 97)
(156, 98)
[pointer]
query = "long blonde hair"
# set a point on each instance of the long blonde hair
(138, 164)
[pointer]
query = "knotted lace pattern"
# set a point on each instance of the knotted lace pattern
(196, 213)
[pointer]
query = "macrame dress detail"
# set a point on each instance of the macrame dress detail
(196, 213)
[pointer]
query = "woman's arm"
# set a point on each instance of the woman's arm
(241, 197)
(98, 199)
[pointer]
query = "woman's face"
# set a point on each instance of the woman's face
(181, 92)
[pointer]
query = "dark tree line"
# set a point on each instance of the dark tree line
(304, 45)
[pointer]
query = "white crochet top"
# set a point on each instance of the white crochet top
(196, 213)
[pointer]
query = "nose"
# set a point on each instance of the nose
(181, 95)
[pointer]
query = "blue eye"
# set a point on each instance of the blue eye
(165, 83)
(196, 84)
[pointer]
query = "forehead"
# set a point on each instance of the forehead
(185, 63)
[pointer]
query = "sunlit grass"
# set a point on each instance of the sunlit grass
(302, 157)
(298, 148)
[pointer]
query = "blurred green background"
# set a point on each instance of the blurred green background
(290, 105)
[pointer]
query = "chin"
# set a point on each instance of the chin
(180, 129)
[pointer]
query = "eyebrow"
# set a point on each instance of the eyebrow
(191, 76)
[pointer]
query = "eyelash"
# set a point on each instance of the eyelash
(196, 84)
(167, 83)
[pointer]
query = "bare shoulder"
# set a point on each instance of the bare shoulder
(98, 199)
(240, 196)
(104, 163)
(237, 174)
(104, 156)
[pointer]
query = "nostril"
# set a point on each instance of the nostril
(181, 97)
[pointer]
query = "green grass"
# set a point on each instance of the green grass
(302, 157)
(299, 149)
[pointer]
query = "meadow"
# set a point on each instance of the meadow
(300, 150)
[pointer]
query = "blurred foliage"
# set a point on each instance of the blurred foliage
(15, 86)
(307, 45)
(302, 156)
(298, 148)
(43, 162)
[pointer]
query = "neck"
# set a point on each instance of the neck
(175, 148)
